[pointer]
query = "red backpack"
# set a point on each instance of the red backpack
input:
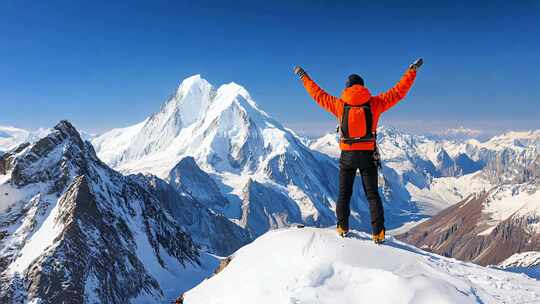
(356, 124)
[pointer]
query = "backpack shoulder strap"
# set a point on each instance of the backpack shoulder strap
(369, 117)
(344, 124)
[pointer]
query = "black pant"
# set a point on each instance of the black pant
(349, 163)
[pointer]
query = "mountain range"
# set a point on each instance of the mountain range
(73, 230)
(496, 222)
(143, 213)
(259, 174)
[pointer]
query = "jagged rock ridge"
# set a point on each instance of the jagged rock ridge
(73, 230)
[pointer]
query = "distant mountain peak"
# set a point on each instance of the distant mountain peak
(192, 83)
(11, 137)
(65, 127)
(198, 113)
(234, 88)
(61, 152)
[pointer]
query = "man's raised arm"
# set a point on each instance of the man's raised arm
(399, 91)
(325, 100)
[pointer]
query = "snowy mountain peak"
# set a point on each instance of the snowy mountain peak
(232, 89)
(60, 155)
(459, 134)
(234, 104)
(196, 87)
(514, 139)
(198, 121)
(230, 143)
(68, 130)
(192, 99)
(195, 82)
(228, 94)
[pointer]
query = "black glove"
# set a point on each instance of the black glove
(299, 71)
(417, 64)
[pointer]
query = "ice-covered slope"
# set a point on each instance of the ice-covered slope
(72, 230)
(116, 140)
(315, 266)
(524, 259)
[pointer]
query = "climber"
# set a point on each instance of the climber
(358, 114)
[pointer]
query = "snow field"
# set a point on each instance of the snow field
(313, 265)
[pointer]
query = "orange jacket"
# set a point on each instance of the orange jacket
(357, 95)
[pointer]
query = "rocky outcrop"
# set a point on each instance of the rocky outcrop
(514, 167)
(187, 177)
(223, 264)
(76, 231)
(264, 209)
(212, 231)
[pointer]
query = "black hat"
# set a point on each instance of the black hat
(354, 79)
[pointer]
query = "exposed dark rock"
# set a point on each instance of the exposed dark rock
(457, 232)
(213, 231)
(187, 177)
(3, 164)
(98, 210)
(264, 208)
(222, 264)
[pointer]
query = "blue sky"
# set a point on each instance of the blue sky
(104, 65)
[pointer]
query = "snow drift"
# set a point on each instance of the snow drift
(313, 265)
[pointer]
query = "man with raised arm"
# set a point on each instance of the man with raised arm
(358, 113)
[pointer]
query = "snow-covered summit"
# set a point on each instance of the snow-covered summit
(461, 133)
(313, 265)
(191, 100)
(199, 121)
